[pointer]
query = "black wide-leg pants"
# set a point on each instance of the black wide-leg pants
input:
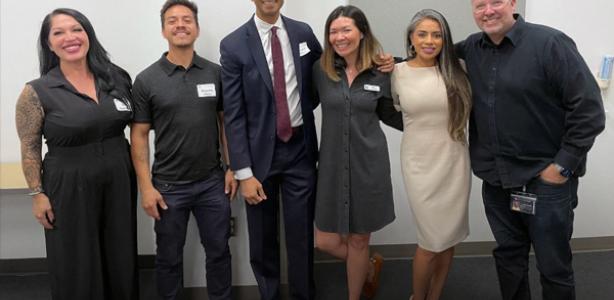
(92, 249)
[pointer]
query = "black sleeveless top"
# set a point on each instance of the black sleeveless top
(74, 119)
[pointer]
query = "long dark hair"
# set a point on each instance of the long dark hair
(367, 51)
(110, 77)
(454, 77)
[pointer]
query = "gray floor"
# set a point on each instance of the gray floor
(469, 278)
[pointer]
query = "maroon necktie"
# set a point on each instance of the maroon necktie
(284, 129)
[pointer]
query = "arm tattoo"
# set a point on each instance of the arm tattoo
(29, 117)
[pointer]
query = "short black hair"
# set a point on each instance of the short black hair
(170, 3)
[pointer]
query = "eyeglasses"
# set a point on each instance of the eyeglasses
(482, 6)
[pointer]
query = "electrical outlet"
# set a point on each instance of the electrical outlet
(233, 231)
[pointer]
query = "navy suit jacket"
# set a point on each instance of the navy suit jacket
(249, 104)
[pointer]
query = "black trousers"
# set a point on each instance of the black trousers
(206, 200)
(548, 231)
(92, 249)
(294, 176)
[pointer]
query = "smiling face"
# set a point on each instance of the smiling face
(180, 28)
(344, 37)
(268, 10)
(67, 39)
(427, 40)
(494, 17)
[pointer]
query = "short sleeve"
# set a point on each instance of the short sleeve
(142, 101)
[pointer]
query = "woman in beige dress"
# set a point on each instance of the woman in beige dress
(433, 92)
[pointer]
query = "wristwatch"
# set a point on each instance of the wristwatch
(563, 171)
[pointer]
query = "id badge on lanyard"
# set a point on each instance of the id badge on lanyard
(523, 202)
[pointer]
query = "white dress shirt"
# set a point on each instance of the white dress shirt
(292, 92)
(294, 100)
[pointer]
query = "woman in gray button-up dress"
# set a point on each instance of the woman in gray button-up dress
(354, 193)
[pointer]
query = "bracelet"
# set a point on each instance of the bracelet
(35, 191)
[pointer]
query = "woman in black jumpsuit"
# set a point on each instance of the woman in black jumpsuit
(84, 192)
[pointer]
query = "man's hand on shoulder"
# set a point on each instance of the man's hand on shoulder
(387, 65)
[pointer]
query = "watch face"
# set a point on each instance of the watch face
(566, 173)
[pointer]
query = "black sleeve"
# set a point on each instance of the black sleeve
(140, 97)
(386, 111)
(388, 114)
(398, 59)
(315, 73)
(315, 69)
(219, 90)
(580, 95)
(460, 49)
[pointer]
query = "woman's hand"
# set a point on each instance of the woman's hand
(41, 209)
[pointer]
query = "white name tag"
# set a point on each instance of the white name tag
(303, 49)
(206, 90)
(121, 106)
(372, 88)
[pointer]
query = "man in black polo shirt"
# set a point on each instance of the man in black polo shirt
(179, 97)
(537, 110)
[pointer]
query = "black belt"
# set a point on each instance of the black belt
(107, 145)
(297, 129)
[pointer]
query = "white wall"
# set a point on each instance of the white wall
(130, 31)
(589, 23)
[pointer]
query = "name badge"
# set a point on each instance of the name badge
(303, 49)
(120, 105)
(206, 90)
(372, 88)
(523, 202)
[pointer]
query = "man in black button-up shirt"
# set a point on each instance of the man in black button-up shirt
(537, 110)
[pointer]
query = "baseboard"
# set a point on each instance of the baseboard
(406, 251)
(39, 265)
(400, 251)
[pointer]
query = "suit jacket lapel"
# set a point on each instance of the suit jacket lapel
(294, 43)
(255, 48)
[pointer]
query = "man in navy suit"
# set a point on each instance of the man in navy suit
(268, 108)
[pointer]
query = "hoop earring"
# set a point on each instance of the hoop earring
(412, 50)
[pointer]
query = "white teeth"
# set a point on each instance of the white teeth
(72, 48)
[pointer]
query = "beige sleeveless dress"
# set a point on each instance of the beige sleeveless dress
(436, 169)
